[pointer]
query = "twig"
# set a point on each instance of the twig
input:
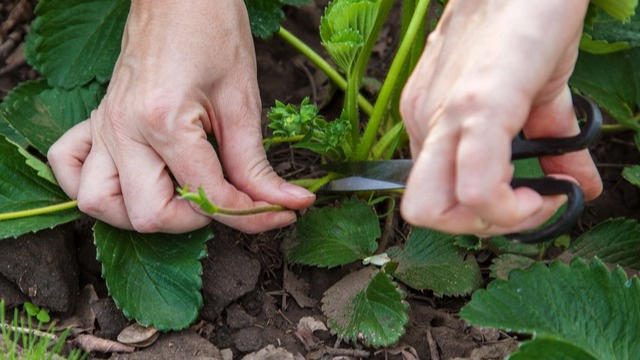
(10, 43)
(28, 331)
(348, 352)
(389, 225)
(433, 347)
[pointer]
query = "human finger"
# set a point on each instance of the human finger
(193, 161)
(99, 193)
(67, 156)
(245, 160)
(556, 118)
(149, 193)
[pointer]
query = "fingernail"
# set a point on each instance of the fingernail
(296, 191)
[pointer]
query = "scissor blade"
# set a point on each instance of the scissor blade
(359, 183)
(388, 171)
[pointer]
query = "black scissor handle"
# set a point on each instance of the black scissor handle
(529, 148)
(552, 186)
(522, 148)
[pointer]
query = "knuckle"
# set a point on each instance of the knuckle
(473, 196)
(56, 154)
(93, 205)
(147, 222)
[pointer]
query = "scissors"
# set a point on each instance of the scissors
(392, 174)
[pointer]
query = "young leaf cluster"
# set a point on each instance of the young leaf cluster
(311, 130)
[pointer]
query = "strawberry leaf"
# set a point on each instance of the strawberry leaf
(573, 307)
(615, 241)
(334, 236)
(632, 174)
(366, 305)
(612, 81)
(153, 278)
(41, 114)
(265, 15)
(622, 10)
(431, 260)
(74, 42)
(23, 189)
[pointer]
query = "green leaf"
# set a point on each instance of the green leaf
(22, 189)
(607, 34)
(43, 316)
(586, 306)
(30, 308)
(514, 247)
(345, 27)
(153, 278)
(431, 260)
(550, 347)
(368, 306)
(334, 236)
(265, 15)
(619, 9)
(42, 114)
(612, 81)
(11, 134)
(43, 170)
(615, 241)
(632, 174)
(502, 266)
(588, 44)
(73, 42)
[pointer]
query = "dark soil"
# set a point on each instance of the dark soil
(253, 299)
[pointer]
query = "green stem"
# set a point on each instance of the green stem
(323, 65)
(254, 211)
(39, 211)
(387, 140)
(353, 87)
(614, 128)
(280, 139)
(380, 108)
(359, 67)
(323, 181)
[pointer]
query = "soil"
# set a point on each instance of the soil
(254, 300)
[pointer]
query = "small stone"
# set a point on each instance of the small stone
(237, 318)
(249, 339)
(109, 317)
(270, 353)
(228, 274)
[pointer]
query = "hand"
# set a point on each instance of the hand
(490, 69)
(186, 69)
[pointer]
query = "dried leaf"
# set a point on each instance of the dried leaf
(90, 343)
(298, 288)
(138, 335)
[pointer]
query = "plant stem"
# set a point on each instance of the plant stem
(380, 108)
(387, 140)
(323, 65)
(323, 181)
(280, 139)
(614, 128)
(39, 211)
(254, 211)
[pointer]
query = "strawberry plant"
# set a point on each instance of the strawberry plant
(367, 305)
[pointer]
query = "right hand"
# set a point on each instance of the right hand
(489, 70)
(186, 69)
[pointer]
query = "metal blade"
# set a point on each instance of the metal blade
(386, 171)
(359, 183)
